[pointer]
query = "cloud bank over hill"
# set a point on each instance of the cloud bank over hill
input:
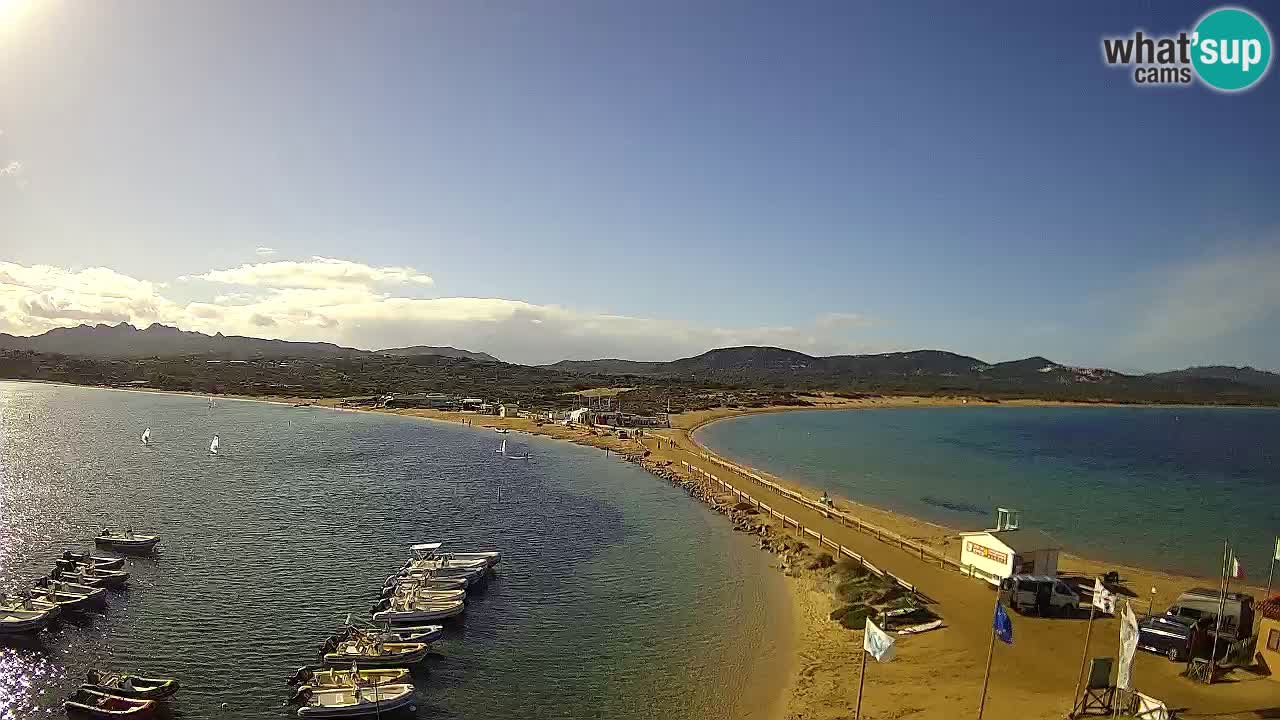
(365, 306)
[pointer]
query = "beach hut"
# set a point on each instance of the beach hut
(1269, 634)
(1008, 549)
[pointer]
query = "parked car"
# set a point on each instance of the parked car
(1178, 637)
(1039, 593)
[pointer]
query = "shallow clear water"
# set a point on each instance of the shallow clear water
(617, 596)
(1153, 487)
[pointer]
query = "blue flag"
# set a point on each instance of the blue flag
(1003, 625)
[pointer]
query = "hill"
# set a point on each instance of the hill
(156, 340)
(446, 351)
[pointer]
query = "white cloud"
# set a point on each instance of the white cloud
(318, 272)
(38, 297)
(316, 301)
(1196, 303)
(264, 251)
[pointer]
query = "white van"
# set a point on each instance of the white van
(1041, 594)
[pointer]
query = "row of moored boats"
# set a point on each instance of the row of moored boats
(365, 670)
(78, 584)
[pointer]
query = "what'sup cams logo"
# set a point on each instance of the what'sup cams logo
(1229, 50)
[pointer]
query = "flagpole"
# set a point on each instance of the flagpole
(991, 651)
(862, 676)
(1084, 656)
(1222, 606)
(1275, 553)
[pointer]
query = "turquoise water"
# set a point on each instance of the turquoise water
(617, 597)
(1153, 487)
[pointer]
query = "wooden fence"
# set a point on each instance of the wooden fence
(884, 535)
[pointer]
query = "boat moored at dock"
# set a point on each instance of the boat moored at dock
(127, 542)
(358, 701)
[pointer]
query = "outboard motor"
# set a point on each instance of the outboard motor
(300, 697)
(56, 574)
(67, 555)
(303, 675)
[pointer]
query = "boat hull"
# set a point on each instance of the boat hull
(140, 545)
(143, 688)
(22, 622)
(419, 614)
(90, 703)
(99, 561)
(373, 702)
(400, 655)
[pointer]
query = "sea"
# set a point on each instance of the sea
(617, 596)
(1155, 487)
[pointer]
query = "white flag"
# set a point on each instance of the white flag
(1128, 646)
(1103, 599)
(876, 642)
(1277, 555)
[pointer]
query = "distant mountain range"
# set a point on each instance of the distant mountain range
(127, 341)
(446, 351)
(764, 368)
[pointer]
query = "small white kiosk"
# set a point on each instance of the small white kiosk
(1007, 550)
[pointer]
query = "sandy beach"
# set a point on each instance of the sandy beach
(937, 674)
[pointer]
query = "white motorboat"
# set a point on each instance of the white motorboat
(432, 583)
(102, 562)
(403, 610)
(29, 603)
(44, 584)
(361, 653)
(320, 677)
(127, 541)
(86, 575)
(360, 701)
(72, 602)
(18, 622)
(431, 551)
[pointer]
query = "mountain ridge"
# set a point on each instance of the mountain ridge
(925, 371)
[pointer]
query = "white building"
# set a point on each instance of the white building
(1008, 550)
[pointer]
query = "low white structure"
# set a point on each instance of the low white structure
(1007, 550)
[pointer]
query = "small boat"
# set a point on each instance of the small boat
(501, 431)
(402, 610)
(29, 603)
(101, 705)
(213, 446)
(432, 583)
(425, 634)
(360, 653)
(426, 551)
(127, 542)
(75, 586)
(72, 602)
(131, 686)
(411, 590)
(63, 587)
(359, 701)
(318, 677)
(146, 436)
(19, 622)
(85, 574)
(99, 561)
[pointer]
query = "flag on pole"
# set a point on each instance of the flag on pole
(1002, 625)
(1237, 570)
(1103, 599)
(1128, 646)
(877, 644)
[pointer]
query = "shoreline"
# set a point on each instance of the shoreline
(814, 685)
(863, 507)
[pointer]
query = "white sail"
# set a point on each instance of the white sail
(503, 450)
(146, 436)
(213, 446)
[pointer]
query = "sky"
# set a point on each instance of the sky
(551, 180)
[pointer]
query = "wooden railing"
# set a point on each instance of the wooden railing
(925, 553)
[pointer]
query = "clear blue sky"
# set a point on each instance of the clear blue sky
(966, 178)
